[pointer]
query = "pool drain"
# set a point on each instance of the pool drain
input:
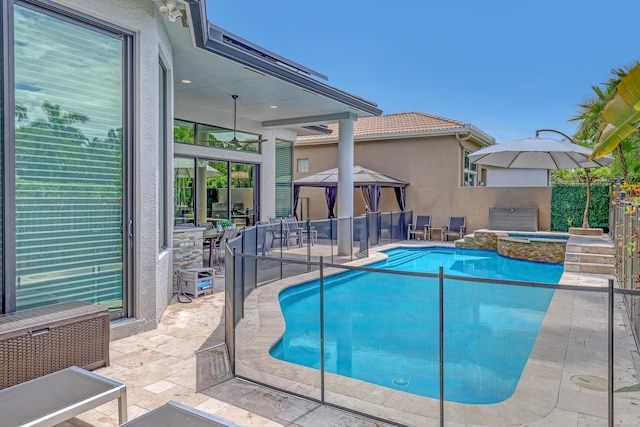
(401, 382)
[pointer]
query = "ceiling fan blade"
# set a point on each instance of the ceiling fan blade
(254, 141)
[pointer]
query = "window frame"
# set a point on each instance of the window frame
(8, 129)
(304, 161)
(469, 173)
(163, 154)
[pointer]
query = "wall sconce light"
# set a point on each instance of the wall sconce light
(169, 9)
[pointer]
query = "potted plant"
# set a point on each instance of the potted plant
(223, 224)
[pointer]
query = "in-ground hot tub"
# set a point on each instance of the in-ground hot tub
(540, 247)
(532, 246)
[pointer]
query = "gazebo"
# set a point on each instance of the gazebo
(368, 180)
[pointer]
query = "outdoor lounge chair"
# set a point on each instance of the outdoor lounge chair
(285, 229)
(293, 231)
(421, 227)
(457, 227)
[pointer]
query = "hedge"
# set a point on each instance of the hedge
(568, 203)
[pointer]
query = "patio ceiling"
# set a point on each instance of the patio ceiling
(217, 69)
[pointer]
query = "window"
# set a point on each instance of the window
(216, 191)
(183, 188)
(214, 136)
(69, 201)
(162, 157)
(470, 174)
(284, 178)
(242, 192)
(183, 131)
(202, 193)
(303, 165)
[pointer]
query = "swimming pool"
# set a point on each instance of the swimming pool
(383, 328)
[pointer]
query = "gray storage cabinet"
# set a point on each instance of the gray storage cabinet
(513, 219)
(196, 281)
(43, 340)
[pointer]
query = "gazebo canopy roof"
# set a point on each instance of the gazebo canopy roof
(361, 177)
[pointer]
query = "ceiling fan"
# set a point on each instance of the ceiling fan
(235, 140)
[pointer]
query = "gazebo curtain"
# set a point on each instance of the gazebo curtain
(401, 197)
(372, 195)
(331, 193)
(296, 196)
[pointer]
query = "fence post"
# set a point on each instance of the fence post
(441, 312)
(281, 244)
(331, 237)
(610, 342)
(309, 237)
(322, 329)
(351, 233)
(233, 305)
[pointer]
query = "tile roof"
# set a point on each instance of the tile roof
(390, 124)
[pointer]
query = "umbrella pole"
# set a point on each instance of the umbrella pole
(585, 219)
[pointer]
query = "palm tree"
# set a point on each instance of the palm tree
(61, 123)
(592, 123)
(621, 113)
(21, 113)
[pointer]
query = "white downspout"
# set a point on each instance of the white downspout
(461, 139)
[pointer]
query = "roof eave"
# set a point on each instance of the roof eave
(203, 30)
(480, 136)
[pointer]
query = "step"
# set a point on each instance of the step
(589, 268)
(592, 249)
(590, 258)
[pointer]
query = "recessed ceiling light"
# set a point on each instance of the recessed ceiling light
(186, 81)
(274, 106)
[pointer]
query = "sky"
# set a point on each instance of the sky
(508, 67)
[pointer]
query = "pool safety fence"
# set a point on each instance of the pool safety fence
(624, 224)
(475, 351)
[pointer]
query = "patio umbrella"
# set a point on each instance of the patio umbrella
(541, 153)
(537, 153)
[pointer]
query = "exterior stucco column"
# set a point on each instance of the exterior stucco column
(268, 176)
(345, 184)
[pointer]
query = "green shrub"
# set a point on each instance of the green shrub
(568, 203)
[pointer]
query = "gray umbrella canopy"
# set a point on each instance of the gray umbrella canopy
(361, 177)
(537, 153)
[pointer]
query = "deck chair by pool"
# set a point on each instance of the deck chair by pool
(421, 227)
(293, 231)
(283, 230)
(457, 227)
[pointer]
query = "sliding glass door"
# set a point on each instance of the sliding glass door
(72, 227)
(243, 194)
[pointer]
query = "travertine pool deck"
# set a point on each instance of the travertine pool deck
(571, 346)
(161, 365)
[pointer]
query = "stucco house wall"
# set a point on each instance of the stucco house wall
(433, 165)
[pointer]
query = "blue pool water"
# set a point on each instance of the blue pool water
(384, 329)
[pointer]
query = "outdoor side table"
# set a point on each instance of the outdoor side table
(176, 414)
(59, 396)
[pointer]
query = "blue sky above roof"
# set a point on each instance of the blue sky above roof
(507, 67)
